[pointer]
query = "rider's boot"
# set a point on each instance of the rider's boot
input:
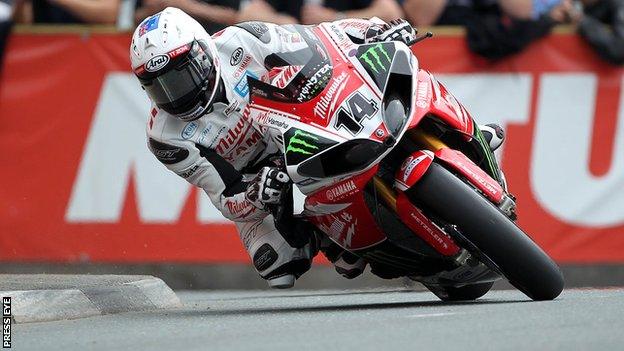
(350, 265)
(276, 259)
(494, 135)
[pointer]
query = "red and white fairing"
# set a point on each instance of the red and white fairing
(337, 205)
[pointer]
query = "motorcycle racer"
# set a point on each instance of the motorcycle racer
(199, 125)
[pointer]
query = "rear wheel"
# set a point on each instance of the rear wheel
(464, 293)
(489, 232)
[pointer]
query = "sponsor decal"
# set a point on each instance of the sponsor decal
(264, 257)
(259, 27)
(340, 38)
(167, 154)
(156, 63)
(243, 67)
(335, 228)
(302, 143)
(362, 25)
(189, 130)
(189, 171)
(434, 234)
(350, 233)
(238, 141)
(314, 83)
(242, 87)
(238, 208)
(479, 179)
(341, 191)
(376, 58)
(231, 108)
(237, 56)
(278, 123)
(265, 118)
(409, 165)
(422, 94)
(203, 134)
(338, 225)
(406, 162)
(262, 117)
(233, 135)
(182, 49)
(338, 83)
(351, 230)
(149, 24)
(285, 76)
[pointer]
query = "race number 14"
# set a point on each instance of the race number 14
(6, 322)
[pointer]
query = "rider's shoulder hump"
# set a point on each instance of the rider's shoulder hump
(260, 30)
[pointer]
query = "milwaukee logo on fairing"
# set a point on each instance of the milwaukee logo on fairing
(302, 143)
(375, 57)
(321, 107)
(423, 93)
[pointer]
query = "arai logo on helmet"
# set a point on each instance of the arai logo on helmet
(156, 63)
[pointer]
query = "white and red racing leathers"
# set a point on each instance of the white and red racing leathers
(214, 151)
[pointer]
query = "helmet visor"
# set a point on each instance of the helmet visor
(178, 89)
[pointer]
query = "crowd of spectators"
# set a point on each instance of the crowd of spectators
(495, 28)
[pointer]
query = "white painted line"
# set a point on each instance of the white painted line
(431, 315)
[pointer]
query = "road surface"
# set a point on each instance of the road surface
(346, 320)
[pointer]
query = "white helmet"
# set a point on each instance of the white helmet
(176, 62)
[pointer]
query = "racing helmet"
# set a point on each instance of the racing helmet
(176, 62)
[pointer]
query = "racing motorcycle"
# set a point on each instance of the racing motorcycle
(390, 166)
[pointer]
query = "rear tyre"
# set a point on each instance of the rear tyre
(464, 293)
(494, 235)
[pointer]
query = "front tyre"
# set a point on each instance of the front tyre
(518, 258)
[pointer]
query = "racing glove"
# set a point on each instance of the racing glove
(396, 30)
(267, 186)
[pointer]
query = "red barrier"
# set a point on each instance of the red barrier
(78, 183)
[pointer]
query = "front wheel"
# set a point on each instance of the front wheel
(487, 229)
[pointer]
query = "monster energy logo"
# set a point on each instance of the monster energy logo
(373, 57)
(298, 143)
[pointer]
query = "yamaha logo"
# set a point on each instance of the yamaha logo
(156, 63)
(236, 57)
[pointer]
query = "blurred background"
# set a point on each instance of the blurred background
(80, 192)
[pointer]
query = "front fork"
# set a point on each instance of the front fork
(415, 166)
